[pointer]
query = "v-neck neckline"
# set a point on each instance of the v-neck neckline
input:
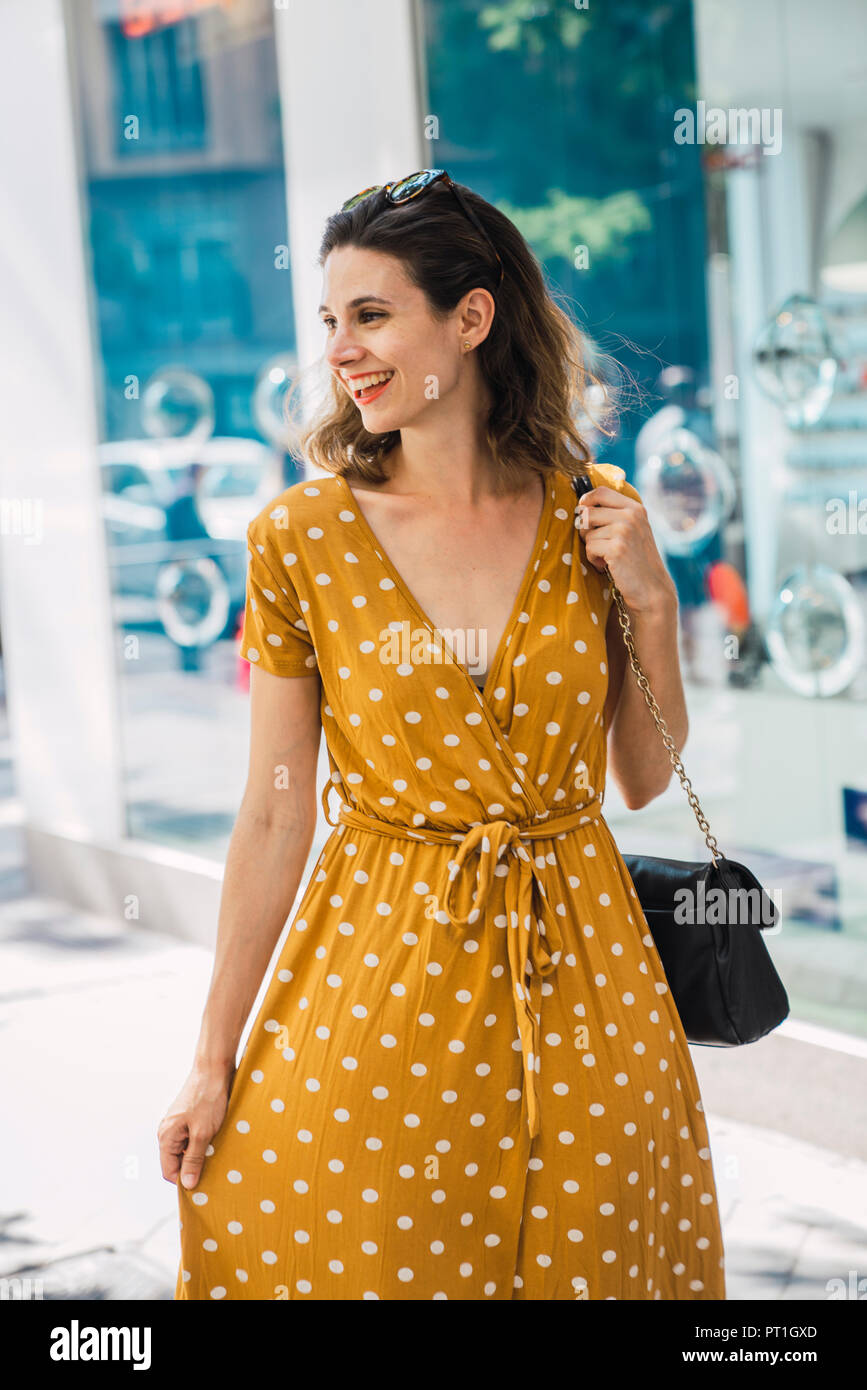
(517, 607)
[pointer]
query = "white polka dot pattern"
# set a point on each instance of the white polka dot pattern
(467, 1079)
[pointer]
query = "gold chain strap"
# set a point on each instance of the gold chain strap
(710, 840)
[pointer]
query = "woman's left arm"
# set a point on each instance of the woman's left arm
(616, 532)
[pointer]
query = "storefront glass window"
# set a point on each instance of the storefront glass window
(698, 204)
(185, 204)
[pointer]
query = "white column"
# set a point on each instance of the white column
(352, 116)
(789, 203)
(58, 637)
(762, 432)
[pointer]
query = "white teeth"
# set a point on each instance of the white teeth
(360, 383)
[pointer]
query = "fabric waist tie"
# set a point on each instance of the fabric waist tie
(533, 933)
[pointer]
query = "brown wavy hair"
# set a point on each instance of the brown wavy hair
(546, 377)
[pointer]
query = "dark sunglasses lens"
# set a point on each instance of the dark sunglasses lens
(359, 197)
(413, 184)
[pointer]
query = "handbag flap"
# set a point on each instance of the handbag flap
(727, 890)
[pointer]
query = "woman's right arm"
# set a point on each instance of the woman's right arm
(267, 855)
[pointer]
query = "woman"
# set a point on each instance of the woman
(467, 1079)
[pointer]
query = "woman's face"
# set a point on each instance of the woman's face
(377, 321)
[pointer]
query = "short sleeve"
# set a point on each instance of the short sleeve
(275, 635)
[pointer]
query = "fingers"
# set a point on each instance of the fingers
(601, 536)
(602, 542)
(182, 1154)
(193, 1160)
(597, 562)
(191, 1122)
(599, 516)
(605, 496)
(605, 504)
(593, 551)
(172, 1136)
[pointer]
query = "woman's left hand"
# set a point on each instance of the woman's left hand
(616, 532)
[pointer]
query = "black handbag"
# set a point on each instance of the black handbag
(706, 919)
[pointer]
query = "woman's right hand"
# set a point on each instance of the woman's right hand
(191, 1122)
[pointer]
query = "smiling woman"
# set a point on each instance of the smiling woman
(468, 1078)
(533, 367)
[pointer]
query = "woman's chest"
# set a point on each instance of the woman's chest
(461, 576)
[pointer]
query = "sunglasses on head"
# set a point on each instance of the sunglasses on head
(403, 189)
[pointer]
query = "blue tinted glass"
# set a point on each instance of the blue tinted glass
(157, 78)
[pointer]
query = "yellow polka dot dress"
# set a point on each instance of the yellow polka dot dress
(468, 1078)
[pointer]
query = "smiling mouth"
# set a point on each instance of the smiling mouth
(370, 392)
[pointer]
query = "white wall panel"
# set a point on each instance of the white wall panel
(57, 634)
(351, 117)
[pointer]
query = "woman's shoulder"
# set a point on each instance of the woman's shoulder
(611, 475)
(286, 533)
(297, 507)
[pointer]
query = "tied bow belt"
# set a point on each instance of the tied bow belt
(533, 933)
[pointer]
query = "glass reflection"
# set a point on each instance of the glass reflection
(687, 488)
(178, 405)
(815, 632)
(270, 396)
(794, 359)
(184, 202)
(193, 600)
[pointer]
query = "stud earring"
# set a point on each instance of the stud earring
(466, 345)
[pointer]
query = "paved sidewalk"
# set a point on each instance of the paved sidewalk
(99, 1021)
